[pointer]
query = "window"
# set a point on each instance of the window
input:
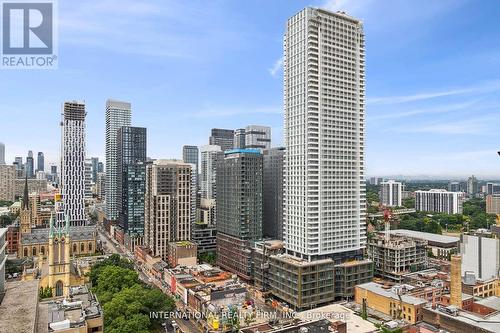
(59, 288)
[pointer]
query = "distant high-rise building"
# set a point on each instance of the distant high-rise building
(324, 132)
(101, 185)
(100, 167)
(391, 193)
(210, 155)
(95, 167)
(190, 155)
(257, 137)
(223, 138)
(454, 186)
(439, 201)
(493, 204)
(118, 114)
(7, 178)
(472, 186)
(239, 209)
(167, 205)
(2, 154)
(272, 192)
(53, 169)
(239, 138)
(18, 161)
(492, 188)
(40, 162)
(73, 163)
(30, 165)
(131, 182)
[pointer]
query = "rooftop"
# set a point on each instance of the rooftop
(19, 307)
(380, 290)
(425, 235)
(334, 312)
(492, 302)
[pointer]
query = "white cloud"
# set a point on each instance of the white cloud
(278, 65)
(431, 110)
(480, 88)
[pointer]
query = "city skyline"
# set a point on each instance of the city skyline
(426, 84)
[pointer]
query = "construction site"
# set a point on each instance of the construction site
(394, 255)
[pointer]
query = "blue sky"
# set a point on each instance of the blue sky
(433, 78)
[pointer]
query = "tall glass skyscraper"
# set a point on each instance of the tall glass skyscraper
(131, 182)
(118, 114)
(40, 163)
(30, 165)
(324, 95)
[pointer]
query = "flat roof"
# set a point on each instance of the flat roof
(334, 312)
(19, 307)
(425, 235)
(490, 323)
(377, 289)
(492, 302)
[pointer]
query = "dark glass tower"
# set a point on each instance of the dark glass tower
(131, 181)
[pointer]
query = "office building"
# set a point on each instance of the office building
(167, 205)
(257, 137)
(272, 212)
(391, 193)
(324, 170)
(222, 137)
(73, 163)
(472, 186)
(204, 230)
(118, 114)
(493, 204)
(439, 201)
(7, 178)
(100, 167)
(29, 168)
(40, 162)
(131, 182)
(210, 155)
(239, 138)
(2, 153)
(190, 155)
(239, 209)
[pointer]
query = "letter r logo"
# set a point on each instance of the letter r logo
(27, 28)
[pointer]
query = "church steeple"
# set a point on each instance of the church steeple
(25, 197)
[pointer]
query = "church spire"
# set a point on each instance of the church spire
(25, 197)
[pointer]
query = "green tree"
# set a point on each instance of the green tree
(113, 260)
(136, 323)
(113, 279)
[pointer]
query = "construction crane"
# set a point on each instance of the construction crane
(387, 221)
